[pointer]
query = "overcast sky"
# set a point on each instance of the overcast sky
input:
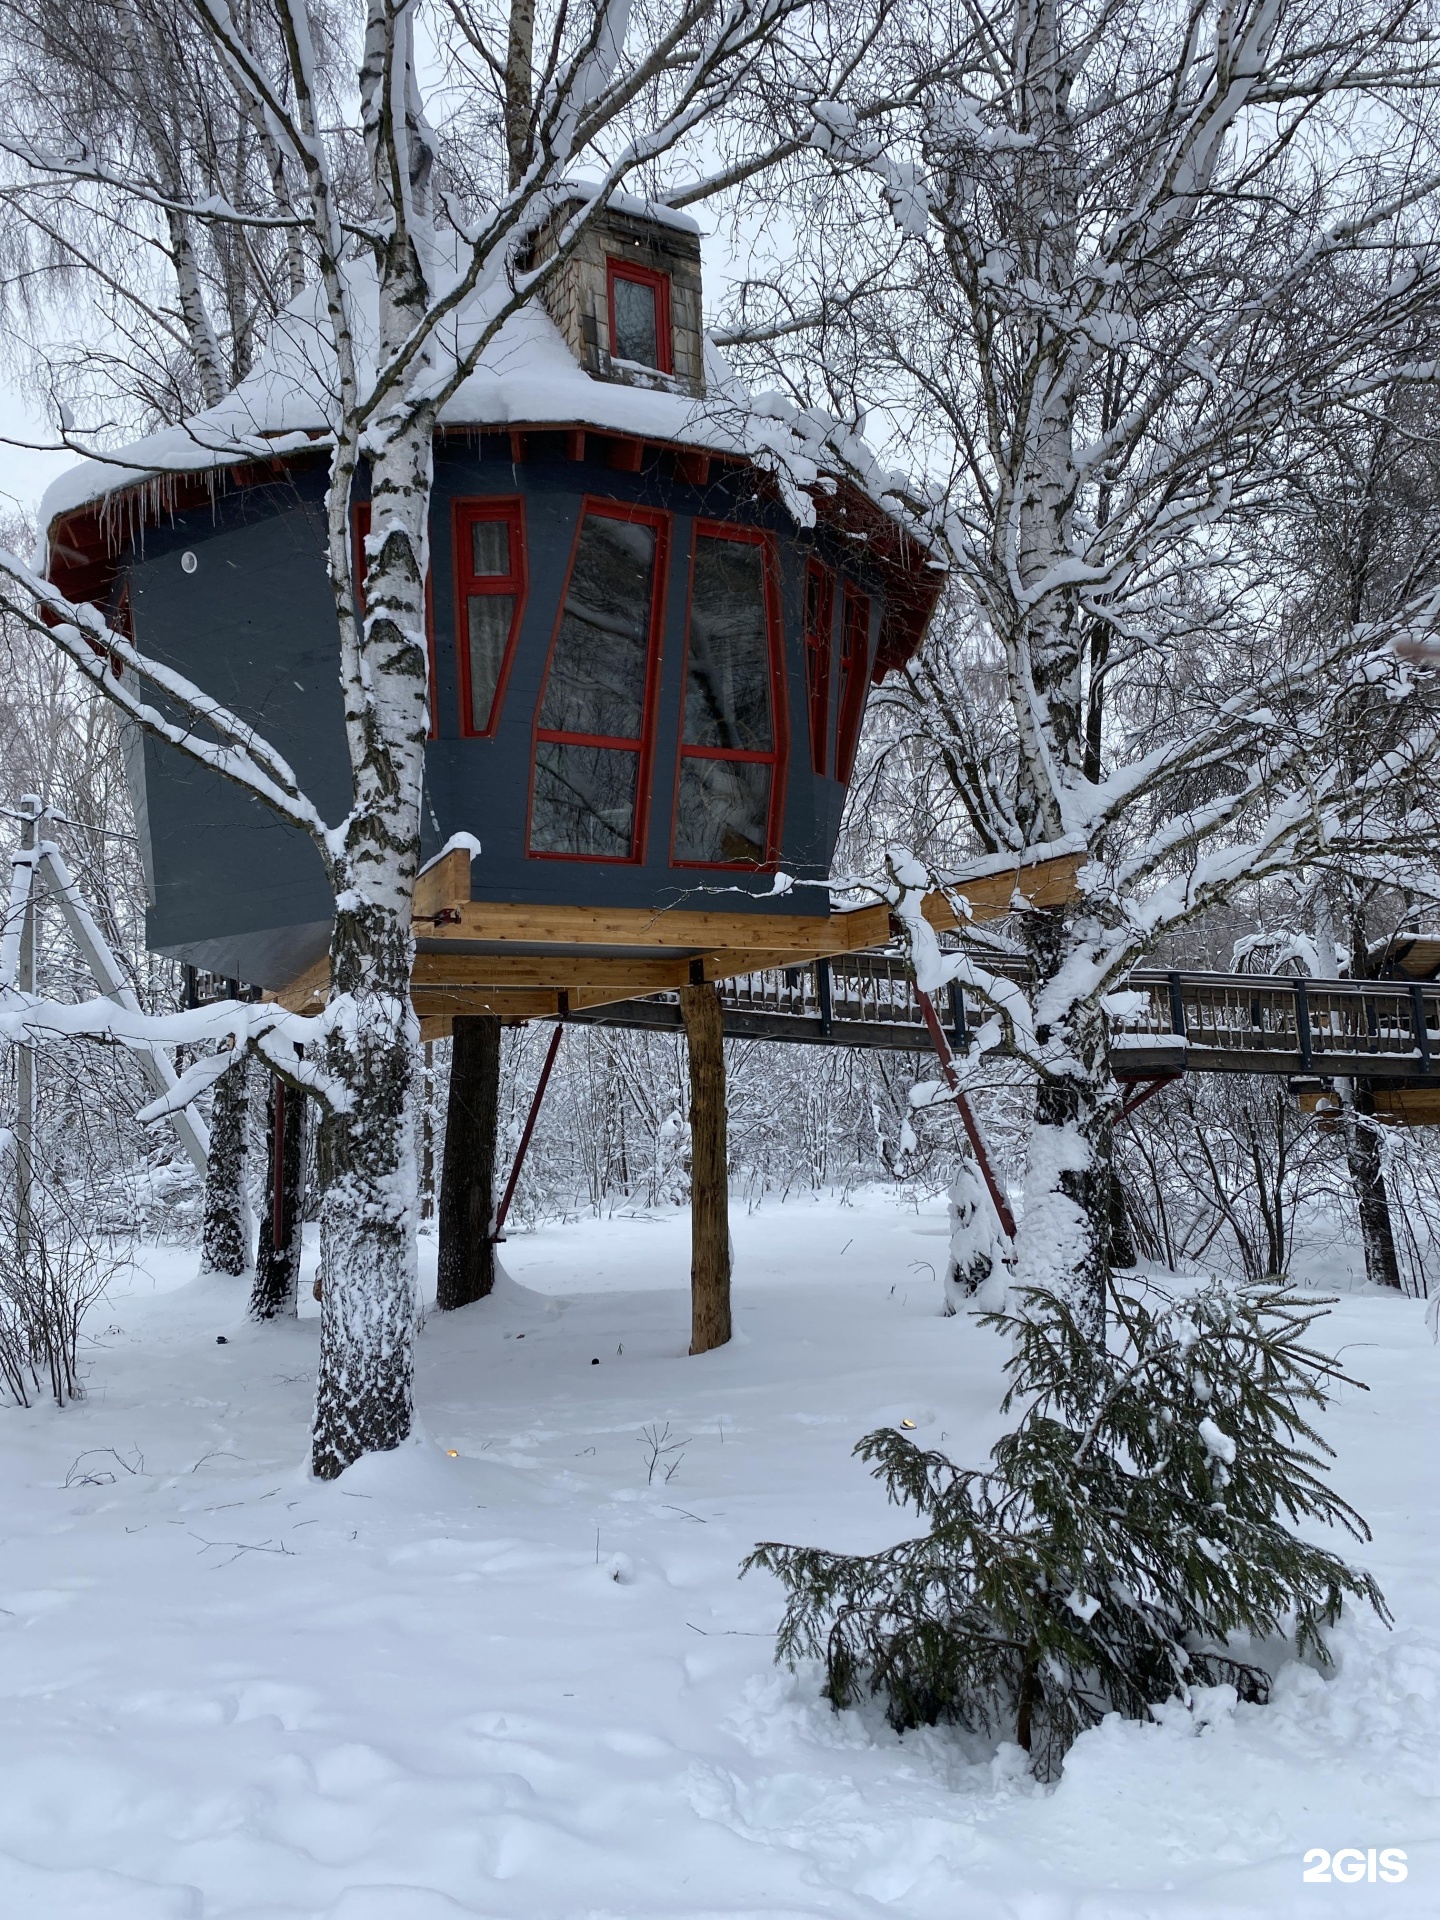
(24, 475)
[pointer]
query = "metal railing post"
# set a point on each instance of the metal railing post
(1177, 1007)
(1302, 1024)
(1421, 1025)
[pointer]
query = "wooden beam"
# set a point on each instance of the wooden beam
(508, 1003)
(548, 970)
(626, 453)
(526, 986)
(578, 997)
(308, 991)
(694, 930)
(727, 966)
(444, 885)
(1045, 883)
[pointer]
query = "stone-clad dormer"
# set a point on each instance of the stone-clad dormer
(628, 299)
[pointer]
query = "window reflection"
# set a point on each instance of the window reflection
(639, 303)
(637, 335)
(592, 713)
(727, 679)
(727, 766)
(584, 800)
(724, 811)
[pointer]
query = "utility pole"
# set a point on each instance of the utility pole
(25, 977)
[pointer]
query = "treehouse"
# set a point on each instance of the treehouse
(656, 607)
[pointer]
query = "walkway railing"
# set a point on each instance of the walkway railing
(1163, 1022)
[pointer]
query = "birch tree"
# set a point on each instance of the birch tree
(121, 128)
(618, 94)
(1138, 262)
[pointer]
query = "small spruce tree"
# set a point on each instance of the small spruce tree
(1136, 1523)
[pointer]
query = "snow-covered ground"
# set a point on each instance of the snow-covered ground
(499, 1674)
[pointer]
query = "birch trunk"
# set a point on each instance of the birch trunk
(1064, 1240)
(370, 1215)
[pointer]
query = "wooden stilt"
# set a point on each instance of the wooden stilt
(467, 1175)
(277, 1260)
(709, 1180)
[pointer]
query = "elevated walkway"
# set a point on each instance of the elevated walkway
(1165, 1023)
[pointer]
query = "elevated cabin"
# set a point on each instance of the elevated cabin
(648, 676)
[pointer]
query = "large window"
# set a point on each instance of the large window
(360, 520)
(639, 315)
(854, 679)
(730, 738)
(819, 624)
(489, 602)
(592, 734)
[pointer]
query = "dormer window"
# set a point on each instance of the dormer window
(639, 315)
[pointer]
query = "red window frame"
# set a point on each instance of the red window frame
(660, 284)
(464, 515)
(360, 525)
(644, 747)
(819, 644)
(777, 756)
(854, 678)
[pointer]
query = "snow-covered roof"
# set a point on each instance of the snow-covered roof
(526, 376)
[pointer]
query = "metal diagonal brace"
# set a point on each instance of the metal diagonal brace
(971, 1125)
(104, 967)
(497, 1232)
(1145, 1090)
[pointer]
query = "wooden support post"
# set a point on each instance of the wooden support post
(709, 1177)
(467, 1173)
(277, 1262)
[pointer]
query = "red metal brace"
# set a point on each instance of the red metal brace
(972, 1128)
(498, 1230)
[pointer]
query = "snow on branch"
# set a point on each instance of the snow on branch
(101, 653)
(291, 1044)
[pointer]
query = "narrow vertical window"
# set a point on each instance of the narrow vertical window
(639, 315)
(729, 742)
(360, 519)
(592, 734)
(490, 598)
(854, 677)
(819, 622)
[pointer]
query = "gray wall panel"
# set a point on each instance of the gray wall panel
(254, 625)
